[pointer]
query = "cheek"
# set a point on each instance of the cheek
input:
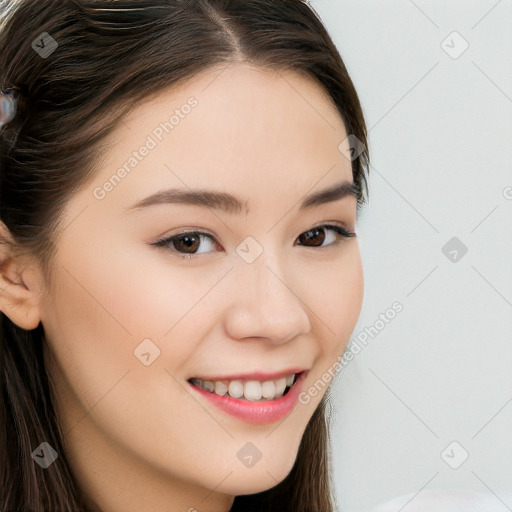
(128, 294)
(335, 298)
(95, 318)
(349, 292)
(103, 309)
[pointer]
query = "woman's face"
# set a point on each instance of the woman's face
(128, 322)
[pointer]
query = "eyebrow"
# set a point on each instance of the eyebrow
(231, 204)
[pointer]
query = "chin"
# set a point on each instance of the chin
(253, 484)
(255, 480)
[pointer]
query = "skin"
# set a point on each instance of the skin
(137, 436)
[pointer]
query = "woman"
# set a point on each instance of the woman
(180, 269)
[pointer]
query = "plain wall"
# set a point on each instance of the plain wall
(440, 371)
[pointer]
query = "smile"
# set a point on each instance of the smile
(253, 390)
(251, 400)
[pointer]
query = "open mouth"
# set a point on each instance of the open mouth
(250, 389)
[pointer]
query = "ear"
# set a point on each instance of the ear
(20, 284)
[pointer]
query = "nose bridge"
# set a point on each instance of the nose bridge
(265, 303)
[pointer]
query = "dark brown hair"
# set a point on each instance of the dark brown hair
(112, 55)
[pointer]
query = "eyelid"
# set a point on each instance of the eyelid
(200, 231)
(167, 239)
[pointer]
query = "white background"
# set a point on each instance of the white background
(441, 148)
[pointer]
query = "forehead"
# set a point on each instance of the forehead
(235, 128)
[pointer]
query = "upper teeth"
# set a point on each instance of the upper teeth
(250, 390)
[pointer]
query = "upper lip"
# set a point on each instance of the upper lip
(261, 376)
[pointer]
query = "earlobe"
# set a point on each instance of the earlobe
(19, 290)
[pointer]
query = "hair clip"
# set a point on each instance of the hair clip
(8, 107)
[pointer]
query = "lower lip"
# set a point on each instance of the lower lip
(260, 413)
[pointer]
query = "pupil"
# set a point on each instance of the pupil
(189, 241)
(311, 235)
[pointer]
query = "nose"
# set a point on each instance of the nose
(265, 305)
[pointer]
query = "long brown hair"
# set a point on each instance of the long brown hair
(111, 55)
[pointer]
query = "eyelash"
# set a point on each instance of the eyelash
(164, 242)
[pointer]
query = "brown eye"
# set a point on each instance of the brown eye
(317, 236)
(188, 242)
(313, 237)
(187, 245)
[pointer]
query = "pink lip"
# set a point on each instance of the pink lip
(260, 413)
(261, 376)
